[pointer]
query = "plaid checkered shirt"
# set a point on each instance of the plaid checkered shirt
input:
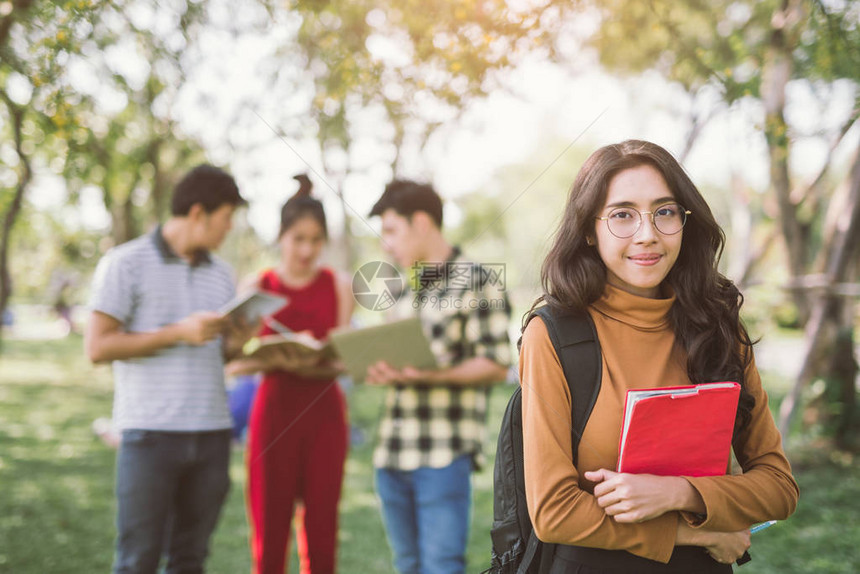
(465, 313)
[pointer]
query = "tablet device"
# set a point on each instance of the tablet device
(399, 343)
(254, 305)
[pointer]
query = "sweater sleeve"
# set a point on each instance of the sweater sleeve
(561, 511)
(766, 489)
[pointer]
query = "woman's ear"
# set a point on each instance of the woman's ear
(589, 240)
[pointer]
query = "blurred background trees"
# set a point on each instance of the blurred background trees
(89, 93)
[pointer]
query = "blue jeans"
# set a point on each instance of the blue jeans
(170, 487)
(426, 514)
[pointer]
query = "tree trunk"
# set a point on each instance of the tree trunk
(158, 193)
(776, 73)
(697, 124)
(25, 175)
(399, 136)
(347, 251)
(346, 233)
(827, 321)
(843, 376)
(123, 225)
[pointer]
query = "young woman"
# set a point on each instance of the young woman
(297, 435)
(637, 249)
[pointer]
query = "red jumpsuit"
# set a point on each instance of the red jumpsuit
(297, 444)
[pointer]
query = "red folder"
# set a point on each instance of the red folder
(678, 431)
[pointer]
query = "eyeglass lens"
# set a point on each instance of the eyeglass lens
(625, 221)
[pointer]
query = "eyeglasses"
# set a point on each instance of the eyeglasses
(624, 222)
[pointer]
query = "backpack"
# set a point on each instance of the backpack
(516, 548)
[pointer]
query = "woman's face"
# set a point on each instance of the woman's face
(638, 264)
(301, 245)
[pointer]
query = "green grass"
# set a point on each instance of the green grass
(56, 484)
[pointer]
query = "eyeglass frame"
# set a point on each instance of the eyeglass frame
(684, 210)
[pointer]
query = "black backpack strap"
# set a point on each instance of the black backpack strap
(575, 341)
(528, 556)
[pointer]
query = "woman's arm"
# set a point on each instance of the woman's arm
(562, 512)
(766, 490)
(640, 497)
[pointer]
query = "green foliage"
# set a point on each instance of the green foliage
(64, 61)
(420, 61)
(135, 154)
(694, 43)
(727, 42)
(36, 41)
(829, 48)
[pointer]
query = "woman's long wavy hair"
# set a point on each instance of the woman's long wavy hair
(705, 316)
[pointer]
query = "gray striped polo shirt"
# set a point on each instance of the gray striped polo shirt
(146, 286)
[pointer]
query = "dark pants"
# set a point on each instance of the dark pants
(170, 487)
(684, 560)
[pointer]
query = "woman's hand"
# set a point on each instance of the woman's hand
(724, 547)
(637, 497)
(727, 547)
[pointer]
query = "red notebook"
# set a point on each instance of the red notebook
(678, 431)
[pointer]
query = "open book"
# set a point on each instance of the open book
(258, 346)
(285, 338)
(254, 305)
(678, 431)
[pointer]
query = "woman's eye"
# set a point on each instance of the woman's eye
(667, 211)
(621, 214)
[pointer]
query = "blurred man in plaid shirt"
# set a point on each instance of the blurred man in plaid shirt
(434, 423)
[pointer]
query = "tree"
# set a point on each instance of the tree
(75, 104)
(37, 38)
(133, 155)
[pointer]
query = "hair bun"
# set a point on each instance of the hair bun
(305, 185)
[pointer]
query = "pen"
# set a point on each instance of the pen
(746, 557)
(762, 526)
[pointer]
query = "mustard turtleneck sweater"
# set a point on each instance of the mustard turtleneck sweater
(639, 351)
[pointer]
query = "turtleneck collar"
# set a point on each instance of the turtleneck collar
(639, 312)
